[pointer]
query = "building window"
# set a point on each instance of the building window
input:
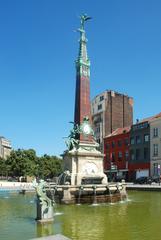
(155, 132)
(137, 154)
(101, 98)
(132, 141)
(98, 129)
(132, 156)
(107, 157)
(126, 155)
(146, 138)
(155, 150)
(119, 143)
(113, 157)
(107, 146)
(138, 139)
(146, 153)
(113, 144)
(126, 141)
(119, 156)
(99, 106)
(155, 168)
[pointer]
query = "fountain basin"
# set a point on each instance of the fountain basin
(103, 193)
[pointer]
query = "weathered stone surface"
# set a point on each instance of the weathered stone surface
(53, 237)
(89, 193)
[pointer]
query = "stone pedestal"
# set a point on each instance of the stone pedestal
(66, 195)
(44, 213)
(86, 162)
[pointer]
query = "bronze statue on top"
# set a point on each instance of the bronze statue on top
(84, 18)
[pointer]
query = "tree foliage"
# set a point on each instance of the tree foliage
(27, 163)
(49, 166)
(3, 167)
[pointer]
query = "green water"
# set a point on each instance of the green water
(139, 218)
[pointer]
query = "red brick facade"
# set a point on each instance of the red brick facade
(116, 150)
(82, 100)
(132, 168)
(119, 112)
(110, 110)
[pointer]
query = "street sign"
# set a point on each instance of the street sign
(113, 167)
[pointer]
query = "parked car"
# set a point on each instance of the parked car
(143, 180)
(155, 179)
(119, 178)
(12, 179)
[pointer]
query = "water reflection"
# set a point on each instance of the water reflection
(137, 219)
(99, 222)
(44, 229)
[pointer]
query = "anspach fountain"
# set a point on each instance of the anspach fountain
(83, 179)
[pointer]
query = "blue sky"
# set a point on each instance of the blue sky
(38, 47)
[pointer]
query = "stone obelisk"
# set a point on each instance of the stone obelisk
(82, 93)
(83, 160)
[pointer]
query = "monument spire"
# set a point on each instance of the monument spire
(82, 161)
(83, 48)
(82, 96)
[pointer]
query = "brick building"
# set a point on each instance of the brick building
(145, 152)
(110, 110)
(116, 150)
(139, 162)
(135, 151)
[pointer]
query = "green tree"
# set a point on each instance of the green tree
(22, 162)
(49, 166)
(25, 163)
(3, 167)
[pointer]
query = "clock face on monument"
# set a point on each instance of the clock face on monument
(86, 127)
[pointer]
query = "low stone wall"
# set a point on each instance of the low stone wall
(90, 193)
(144, 187)
(103, 198)
(16, 186)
